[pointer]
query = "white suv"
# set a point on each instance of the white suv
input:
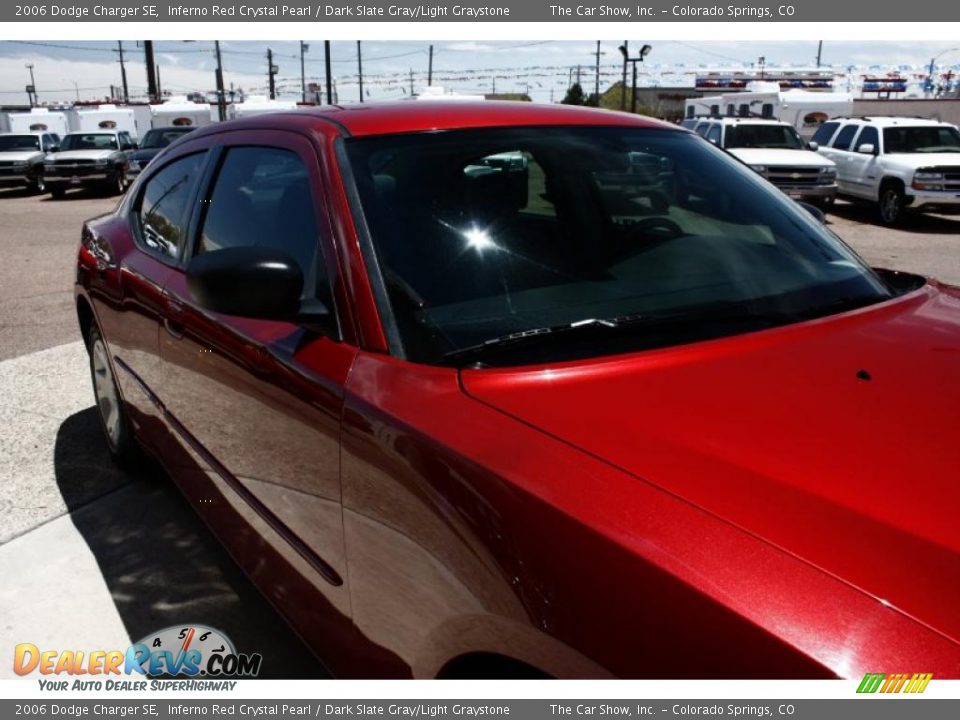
(775, 150)
(896, 162)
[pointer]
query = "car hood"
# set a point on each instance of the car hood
(919, 160)
(19, 155)
(793, 158)
(835, 439)
(68, 155)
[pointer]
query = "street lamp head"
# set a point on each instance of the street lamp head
(623, 51)
(645, 50)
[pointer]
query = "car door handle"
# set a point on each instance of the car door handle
(173, 317)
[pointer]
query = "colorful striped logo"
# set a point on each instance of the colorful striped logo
(894, 682)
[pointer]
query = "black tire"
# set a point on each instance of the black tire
(118, 183)
(57, 191)
(824, 203)
(890, 207)
(110, 409)
(38, 185)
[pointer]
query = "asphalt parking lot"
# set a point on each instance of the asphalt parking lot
(93, 557)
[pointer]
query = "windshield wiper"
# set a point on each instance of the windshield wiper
(723, 312)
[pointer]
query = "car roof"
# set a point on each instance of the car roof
(381, 118)
(738, 120)
(892, 121)
(37, 133)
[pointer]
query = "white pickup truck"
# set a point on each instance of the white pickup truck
(775, 150)
(895, 162)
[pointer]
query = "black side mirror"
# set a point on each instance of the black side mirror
(249, 282)
(819, 215)
(53, 148)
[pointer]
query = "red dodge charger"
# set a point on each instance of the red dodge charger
(501, 390)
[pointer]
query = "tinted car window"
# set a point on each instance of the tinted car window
(763, 136)
(262, 197)
(90, 141)
(164, 203)
(824, 133)
(921, 139)
(713, 135)
(868, 136)
(637, 227)
(19, 142)
(161, 137)
(844, 137)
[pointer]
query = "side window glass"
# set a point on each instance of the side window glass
(713, 135)
(824, 133)
(868, 136)
(163, 206)
(844, 137)
(262, 198)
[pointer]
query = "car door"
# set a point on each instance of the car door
(256, 404)
(864, 174)
(127, 290)
(840, 153)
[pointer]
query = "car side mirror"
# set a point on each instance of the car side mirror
(129, 146)
(817, 213)
(867, 149)
(813, 146)
(251, 282)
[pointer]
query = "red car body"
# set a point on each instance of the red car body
(780, 503)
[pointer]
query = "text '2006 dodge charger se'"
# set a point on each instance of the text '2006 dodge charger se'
(495, 389)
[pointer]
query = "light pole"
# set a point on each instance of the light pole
(303, 78)
(32, 88)
(933, 61)
(644, 51)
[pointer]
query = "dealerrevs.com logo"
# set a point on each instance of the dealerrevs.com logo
(189, 651)
(894, 682)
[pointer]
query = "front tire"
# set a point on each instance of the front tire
(57, 191)
(118, 184)
(38, 186)
(891, 204)
(110, 409)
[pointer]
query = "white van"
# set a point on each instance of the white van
(258, 105)
(177, 111)
(107, 117)
(38, 120)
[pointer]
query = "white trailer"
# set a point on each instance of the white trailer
(107, 117)
(38, 120)
(178, 111)
(259, 105)
(806, 110)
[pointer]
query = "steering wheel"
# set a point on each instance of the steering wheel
(658, 228)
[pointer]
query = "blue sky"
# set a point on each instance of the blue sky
(67, 69)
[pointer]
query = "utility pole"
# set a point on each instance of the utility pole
(303, 78)
(326, 61)
(411, 82)
(221, 101)
(159, 88)
(623, 81)
(360, 70)
(430, 68)
(819, 52)
(32, 89)
(596, 82)
(123, 72)
(271, 72)
(152, 93)
(578, 76)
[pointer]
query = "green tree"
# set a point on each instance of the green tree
(574, 95)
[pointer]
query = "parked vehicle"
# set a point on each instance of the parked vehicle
(21, 158)
(805, 110)
(617, 408)
(89, 158)
(775, 150)
(898, 163)
(153, 142)
(118, 118)
(42, 120)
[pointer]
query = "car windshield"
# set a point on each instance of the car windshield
(639, 237)
(11, 143)
(763, 136)
(921, 139)
(161, 137)
(89, 141)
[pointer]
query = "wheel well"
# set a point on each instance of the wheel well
(85, 318)
(489, 666)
